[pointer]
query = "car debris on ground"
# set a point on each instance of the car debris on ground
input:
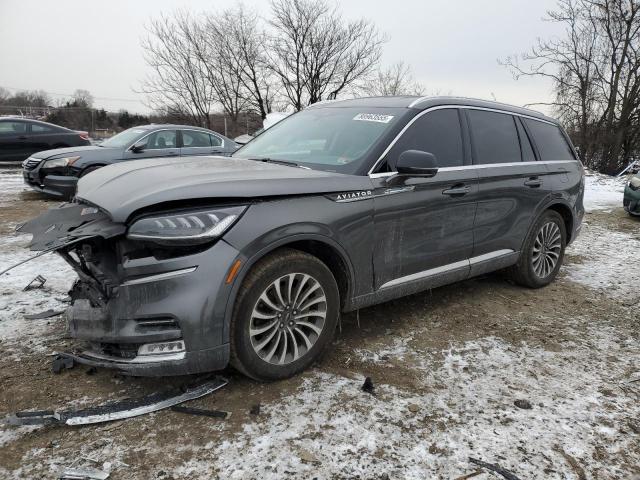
(118, 410)
(201, 411)
(86, 473)
(494, 468)
(368, 386)
(37, 282)
(42, 315)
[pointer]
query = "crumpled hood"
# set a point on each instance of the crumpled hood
(90, 151)
(122, 189)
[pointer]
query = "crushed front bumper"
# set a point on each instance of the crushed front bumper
(61, 186)
(133, 304)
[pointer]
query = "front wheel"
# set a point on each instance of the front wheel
(543, 252)
(284, 317)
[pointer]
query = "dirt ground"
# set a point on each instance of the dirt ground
(447, 365)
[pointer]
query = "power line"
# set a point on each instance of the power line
(71, 95)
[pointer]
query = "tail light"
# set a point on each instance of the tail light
(83, 135)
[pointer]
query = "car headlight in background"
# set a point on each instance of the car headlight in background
(60, 162)
(186, 228)
(634, 183)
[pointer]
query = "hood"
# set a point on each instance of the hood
(121, 189)
(91, 152)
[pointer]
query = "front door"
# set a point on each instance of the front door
(424, 226)
(161, 143)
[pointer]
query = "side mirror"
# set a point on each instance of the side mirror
(417, 163)
(138, 147)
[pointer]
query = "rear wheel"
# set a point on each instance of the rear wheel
(543, 252)
(285, 315)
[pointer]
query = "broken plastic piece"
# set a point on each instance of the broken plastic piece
(494, 468)
(83, 474)
(61, 363)
(119, 410)
(37, 282)
(201, 411)
(42, 315)
(368, 386)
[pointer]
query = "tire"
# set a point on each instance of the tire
(533, 270)
(87, 171)
(270, 354)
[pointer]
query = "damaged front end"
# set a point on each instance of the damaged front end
(140, 307)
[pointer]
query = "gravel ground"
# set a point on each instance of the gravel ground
(448, 368)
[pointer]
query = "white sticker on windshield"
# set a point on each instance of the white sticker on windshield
(373, 117)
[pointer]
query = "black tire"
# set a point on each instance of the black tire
(259, 280)
(87, 171)
(524, 273)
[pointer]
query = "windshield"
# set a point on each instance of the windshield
(334, 139)
(124, 139)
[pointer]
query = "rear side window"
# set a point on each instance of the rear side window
(192, 138)
(550, 141)
(495, 138)
(215, 141)
(437, 132)
(37, 128)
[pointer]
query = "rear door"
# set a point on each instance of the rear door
(512, 183)
(40, 137)
(13, 140)
(197, 142)
(424, 226)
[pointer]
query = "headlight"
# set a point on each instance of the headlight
(60, 162)
(634, 183)
(186, 228)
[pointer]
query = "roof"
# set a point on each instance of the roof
(422, 103)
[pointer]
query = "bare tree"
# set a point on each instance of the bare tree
(594, 68)
(180, 78)
(83, 98)
(315, 54)
(396, 79)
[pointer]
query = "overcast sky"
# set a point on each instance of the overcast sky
(452, 45)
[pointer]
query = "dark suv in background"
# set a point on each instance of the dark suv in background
(56, 172)
(189, 264)
(21, 137)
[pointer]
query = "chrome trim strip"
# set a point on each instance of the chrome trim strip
(164, 357)
(159, 276)
(486, 165)
(441, 107)
(490, 256)
(446, 268)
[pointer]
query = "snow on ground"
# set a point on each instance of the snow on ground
(603, 192)
(16, 332)
(330, 429)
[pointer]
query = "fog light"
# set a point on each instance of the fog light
(161, 348)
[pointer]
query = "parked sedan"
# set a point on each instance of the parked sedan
(21, 137)
(56, 172)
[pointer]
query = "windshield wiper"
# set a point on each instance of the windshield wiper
(274, 160)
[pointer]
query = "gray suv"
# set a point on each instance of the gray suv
(191, 264)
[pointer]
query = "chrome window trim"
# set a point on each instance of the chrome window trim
(446, 268)
(442, 107)
(206, 133)
(486, 165)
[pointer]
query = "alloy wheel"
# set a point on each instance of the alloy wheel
(546, 249)
(288, 318)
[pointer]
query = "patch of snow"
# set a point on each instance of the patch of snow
(602, 192)
(329, 428)
(607, 260)
(381, 354)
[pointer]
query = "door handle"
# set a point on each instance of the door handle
(533, 182)
(172, 154)
(462, 190)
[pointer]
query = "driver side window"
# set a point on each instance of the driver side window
(436, 132)
(161, 139)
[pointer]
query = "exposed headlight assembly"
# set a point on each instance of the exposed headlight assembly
(186, 228)
(60, 162)
(634, 183)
